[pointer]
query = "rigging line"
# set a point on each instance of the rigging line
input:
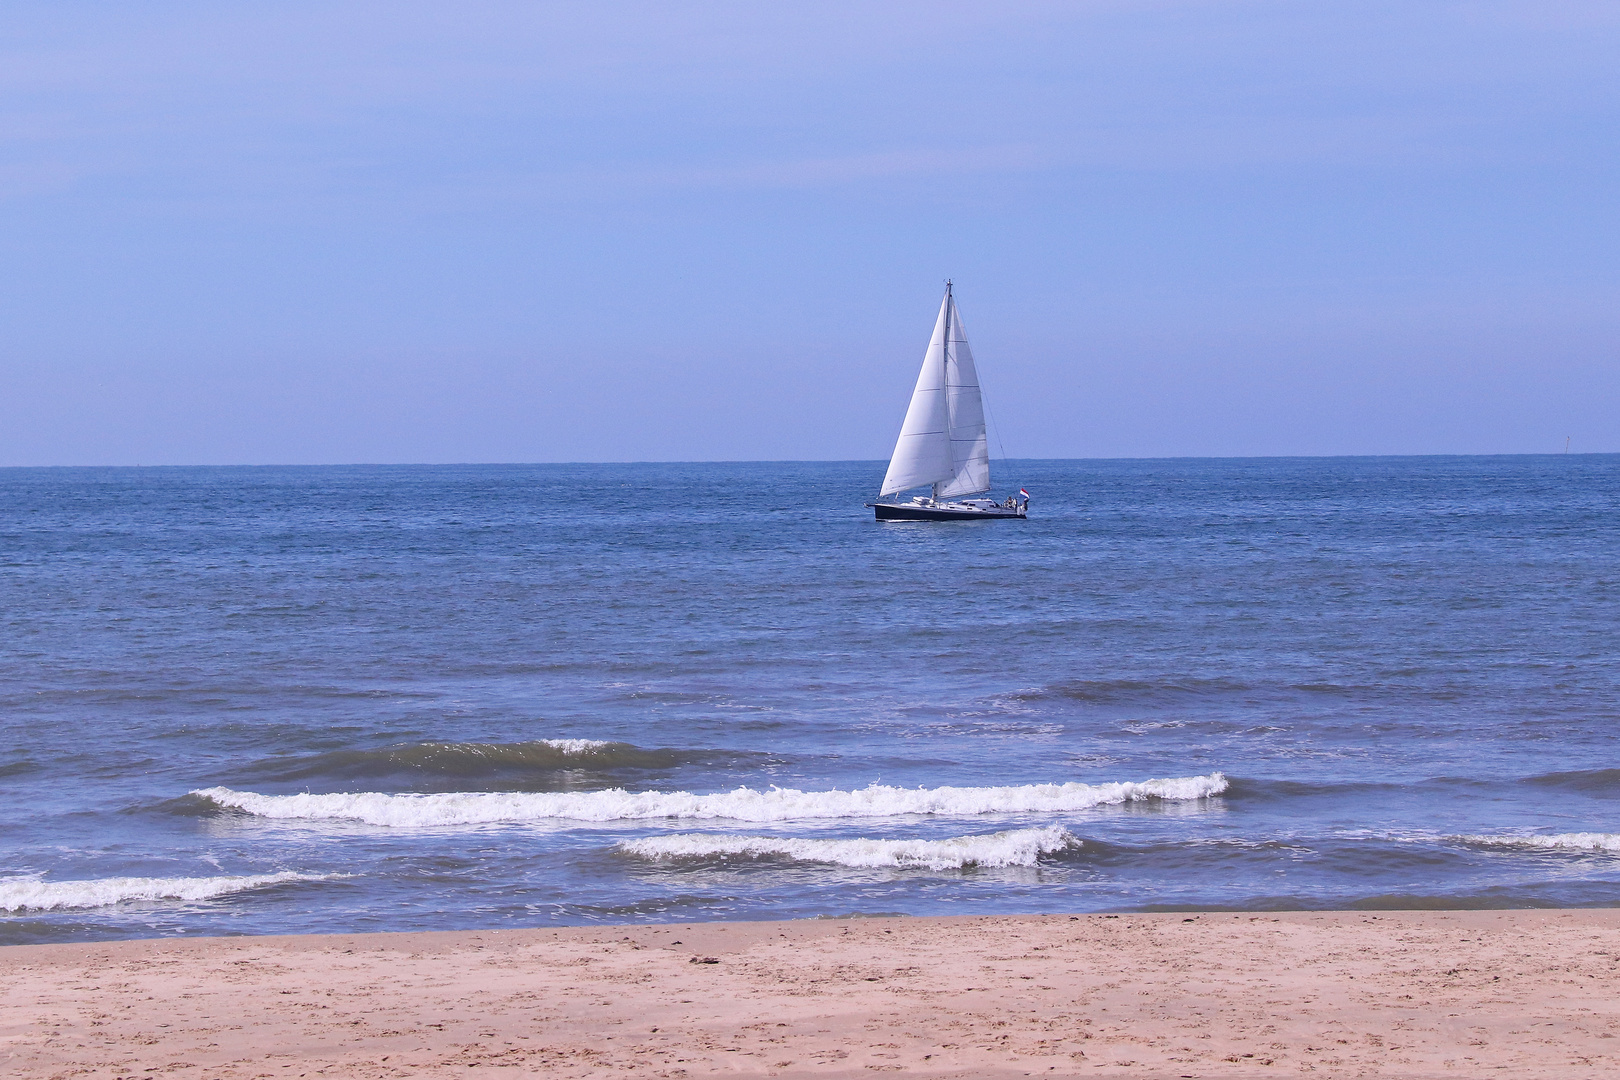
(991, 416)
(945, 378)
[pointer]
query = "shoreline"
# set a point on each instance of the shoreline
(1215, 994)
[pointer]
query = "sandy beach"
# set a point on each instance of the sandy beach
(1386, 994)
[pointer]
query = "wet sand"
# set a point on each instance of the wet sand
(1364, 994)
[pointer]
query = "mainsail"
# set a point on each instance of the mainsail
(942, 441)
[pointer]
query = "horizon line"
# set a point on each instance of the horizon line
(799, 461)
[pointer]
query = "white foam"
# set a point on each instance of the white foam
(1579, 841)
(1016, 847)
(743, 804)
(575, 746)
(34, 894)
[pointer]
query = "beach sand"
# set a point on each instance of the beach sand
(1375, 994)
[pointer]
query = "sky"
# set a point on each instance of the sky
(489, 231)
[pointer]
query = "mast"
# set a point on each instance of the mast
(945, 376)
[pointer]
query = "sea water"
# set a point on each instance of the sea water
(286, 700)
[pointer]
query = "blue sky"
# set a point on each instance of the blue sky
(421, 232)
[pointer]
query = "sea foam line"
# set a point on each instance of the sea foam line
(1580, 841)
(1015, 847)
(743, 804)
(34, 894)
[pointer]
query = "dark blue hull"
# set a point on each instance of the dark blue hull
(913, 512)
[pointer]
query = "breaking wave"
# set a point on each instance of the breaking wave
(1016, 847)
(742, 804)
(1579, 841)
(33, 894)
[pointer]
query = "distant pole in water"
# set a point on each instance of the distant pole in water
(1566, 442)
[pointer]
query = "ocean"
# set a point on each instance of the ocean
(332, 699)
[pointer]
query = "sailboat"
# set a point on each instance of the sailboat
(942, 442)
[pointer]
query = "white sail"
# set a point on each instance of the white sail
(922, 454)
(942, 441)
(970, 449)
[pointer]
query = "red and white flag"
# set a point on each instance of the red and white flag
(1024, 493)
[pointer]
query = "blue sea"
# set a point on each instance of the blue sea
(290, 700)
